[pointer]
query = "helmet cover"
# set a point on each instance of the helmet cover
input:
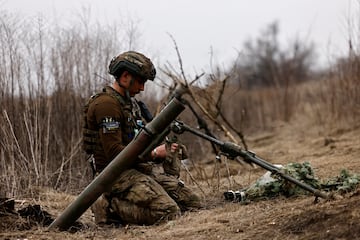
(133, 62)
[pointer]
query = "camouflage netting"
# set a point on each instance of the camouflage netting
(272, 185)
(343, 183)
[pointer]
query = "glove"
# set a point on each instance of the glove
(172, 163)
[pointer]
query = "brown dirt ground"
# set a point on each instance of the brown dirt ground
(328, 149)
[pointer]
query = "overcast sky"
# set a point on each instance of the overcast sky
(223, 26)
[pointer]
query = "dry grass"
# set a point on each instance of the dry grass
(280, 218)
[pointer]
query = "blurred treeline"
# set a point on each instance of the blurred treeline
(48, 71)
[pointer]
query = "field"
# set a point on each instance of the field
(272, 96)
(328, 149)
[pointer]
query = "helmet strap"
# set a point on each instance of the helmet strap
(127, 93)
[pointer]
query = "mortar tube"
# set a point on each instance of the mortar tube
(124, 160)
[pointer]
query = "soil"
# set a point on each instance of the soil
(329, 149)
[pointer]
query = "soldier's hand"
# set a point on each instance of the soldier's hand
(160, 151)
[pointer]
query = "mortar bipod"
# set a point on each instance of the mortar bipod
(232, 150)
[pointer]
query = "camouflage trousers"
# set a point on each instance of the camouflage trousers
(137, 198)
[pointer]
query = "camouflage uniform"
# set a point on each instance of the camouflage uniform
(140, 195)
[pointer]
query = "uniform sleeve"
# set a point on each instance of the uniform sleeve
(109, 119)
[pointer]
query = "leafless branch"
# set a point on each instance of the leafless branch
(179, 58)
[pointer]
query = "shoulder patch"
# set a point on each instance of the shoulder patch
(109, 125)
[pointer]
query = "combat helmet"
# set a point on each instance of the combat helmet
(134, 62)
